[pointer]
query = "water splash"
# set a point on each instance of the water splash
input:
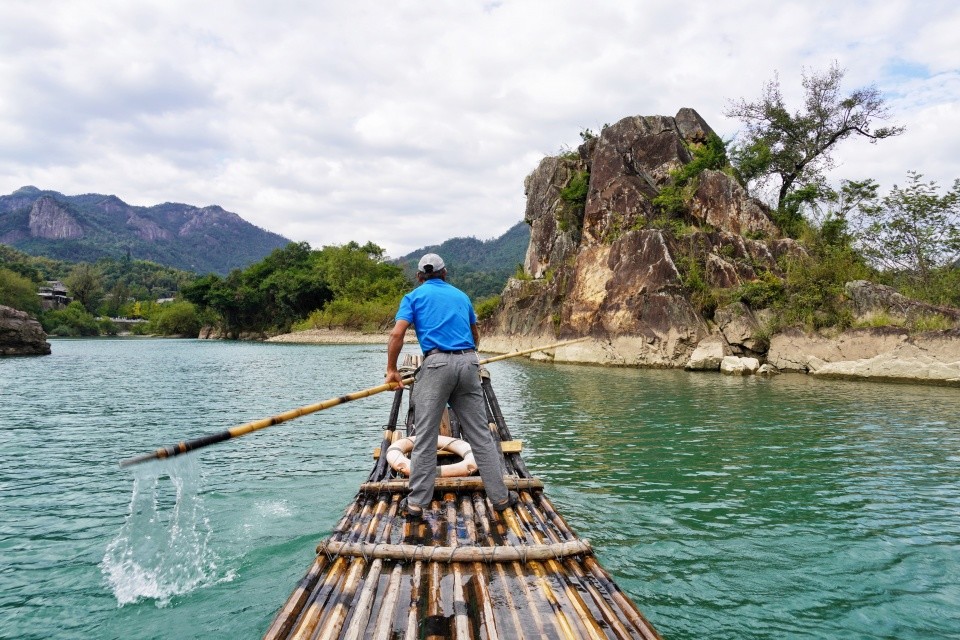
(162, 549)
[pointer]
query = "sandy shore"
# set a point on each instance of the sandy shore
(337, 336)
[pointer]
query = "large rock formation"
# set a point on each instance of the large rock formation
(636, 276)
(21, 335)
(614, 266)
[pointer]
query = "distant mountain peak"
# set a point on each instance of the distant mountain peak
(91, 226)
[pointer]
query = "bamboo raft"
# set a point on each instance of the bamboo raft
(463, 570)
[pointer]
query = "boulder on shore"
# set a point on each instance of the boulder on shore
(21, 335)
(737, 366)
(708, 355)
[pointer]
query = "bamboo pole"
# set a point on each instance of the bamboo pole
(349, 528)
(380, 469)
(410, 535)
(256, 425)
(384, 513)
(461, 628)
(434, 617)
(547, 516)
(487, 555)
(414, 606)
(555, 345)
(361, 611)
(283, 621)
(314, 610)
(627, 606)
(293, 608)
(509, 519)
(481, 575)
(334, 622)
(365, 527)
(605, 606)
(384, 628)
(492, 531)
(469, 483)
(540, 532)
(494, 411)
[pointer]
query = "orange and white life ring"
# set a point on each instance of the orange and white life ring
(398, 456)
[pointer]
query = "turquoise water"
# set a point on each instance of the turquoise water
(726, 507)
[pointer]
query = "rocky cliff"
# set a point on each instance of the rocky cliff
(21, 335)
(618, 268)
(610, 261)
(51, 221)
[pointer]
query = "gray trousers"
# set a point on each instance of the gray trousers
(455, 379)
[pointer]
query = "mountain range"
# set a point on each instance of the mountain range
(85, 228)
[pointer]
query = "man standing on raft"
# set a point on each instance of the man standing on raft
(446, 327)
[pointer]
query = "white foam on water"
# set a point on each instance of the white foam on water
(274, 509)
(163, 548)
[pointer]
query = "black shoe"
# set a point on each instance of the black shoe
(512, 499)
(410, 510)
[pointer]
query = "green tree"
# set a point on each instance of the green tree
(177, 319)
(18, 292)
(797, 147)
(291, 283)
(85, 284)
(116, 299)
(74, 321)
(348, 285)
(915, 233)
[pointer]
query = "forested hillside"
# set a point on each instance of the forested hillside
(480, 268)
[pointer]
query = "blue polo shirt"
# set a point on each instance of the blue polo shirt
(441, 314)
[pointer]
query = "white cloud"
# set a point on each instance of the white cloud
(410, 122)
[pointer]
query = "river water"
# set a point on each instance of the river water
(725, 507)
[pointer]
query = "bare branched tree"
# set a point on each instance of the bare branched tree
(796, 147)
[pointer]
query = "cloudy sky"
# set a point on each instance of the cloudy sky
(412, 121)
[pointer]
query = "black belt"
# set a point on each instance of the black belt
(456, 353)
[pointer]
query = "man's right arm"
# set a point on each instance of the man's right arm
(394, 345)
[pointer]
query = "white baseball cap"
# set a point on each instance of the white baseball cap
(430, 263)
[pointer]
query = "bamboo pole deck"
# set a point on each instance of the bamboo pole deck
(463, 571)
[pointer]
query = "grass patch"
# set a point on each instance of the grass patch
(931, 322)
(486, 307)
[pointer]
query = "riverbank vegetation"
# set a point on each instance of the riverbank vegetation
(132, 290)
(348, 286)
(908, 239)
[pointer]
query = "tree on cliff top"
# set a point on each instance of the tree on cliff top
(796, 147)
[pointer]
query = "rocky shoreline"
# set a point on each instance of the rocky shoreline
(336, 336)
(881, 355)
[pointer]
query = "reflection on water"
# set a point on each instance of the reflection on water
(765, 508)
